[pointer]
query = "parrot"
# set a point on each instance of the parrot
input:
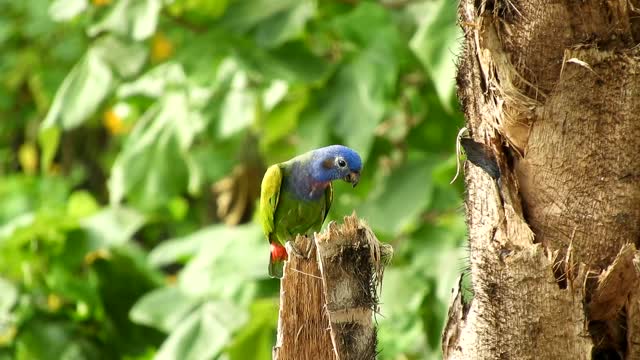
(296, 195)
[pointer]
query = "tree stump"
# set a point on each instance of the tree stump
(328, 300)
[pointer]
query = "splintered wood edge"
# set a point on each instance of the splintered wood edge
(352, 293)
(302, 319)
(455, 320)
(354, 232)
(614, 285)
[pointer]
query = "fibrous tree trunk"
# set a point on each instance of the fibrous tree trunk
(327, 300)
(551, 95)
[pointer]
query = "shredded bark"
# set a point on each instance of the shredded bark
(327, 302)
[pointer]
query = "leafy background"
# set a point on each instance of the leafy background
(133, 138)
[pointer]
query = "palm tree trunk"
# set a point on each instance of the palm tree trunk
(551, 95)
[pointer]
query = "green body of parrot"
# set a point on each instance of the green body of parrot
(296, 196)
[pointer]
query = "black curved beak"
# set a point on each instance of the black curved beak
(353, 178)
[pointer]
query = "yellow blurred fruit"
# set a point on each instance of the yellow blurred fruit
(28, 157)
(114, 123)
(161, 48)
(101, 2)
(54, 302)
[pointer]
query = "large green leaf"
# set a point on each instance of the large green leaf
(226, 263)
(81, 92)
(134, 18)
(402, 294)
(8, 296)
(285, 25)
(437, 44)
(61, 10)
(174, 250)
(355, 101)
(164, 308)
(112, 226)
(400, 197)
(52, 340)
(90, 82)
(155, 164)
(204, 333)
(256, 339)
(242, 16)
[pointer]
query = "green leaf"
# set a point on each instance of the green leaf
(282, 120)
(52, 340)
(81, 204)
(400, 198)
(8, 296)
(81, 92)
(226, 262)
(155, 82)
(123, 277)
(134, 18)
(174, 250)
(49, 139)
(400, 330)
(355, 99)
(125, 58)
(292, 62)
(255, 340)
(204, 333)
(239, 106)
(155, 164)
(163, 308)
(285, 25)
(241, 16)
(437, 44)
(62, 10)
(112, 226)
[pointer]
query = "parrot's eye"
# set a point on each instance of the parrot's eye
(341, 163)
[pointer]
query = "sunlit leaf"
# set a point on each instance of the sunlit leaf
(84, 88)
(48, 139)
(8, 297)
(135, 18)
(239, 106)
(112, 226)
(164, 308)
(228, 259)
(437, 44)
(155, 164)
(204, 333)
(61, 10)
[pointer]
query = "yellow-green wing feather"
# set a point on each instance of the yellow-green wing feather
(269, 197)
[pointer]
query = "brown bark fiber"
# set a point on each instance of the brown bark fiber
(327, 301)
(552, 89)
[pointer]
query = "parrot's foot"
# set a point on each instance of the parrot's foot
(308, 248)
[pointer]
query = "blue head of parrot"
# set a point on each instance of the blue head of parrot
(336, 162)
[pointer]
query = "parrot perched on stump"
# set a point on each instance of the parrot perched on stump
(296, 195)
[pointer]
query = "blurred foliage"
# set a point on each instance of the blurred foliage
(133, 138)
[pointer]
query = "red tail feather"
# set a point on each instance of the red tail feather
(278, 252)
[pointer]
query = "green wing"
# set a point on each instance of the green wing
(328, 198)
(269, 197)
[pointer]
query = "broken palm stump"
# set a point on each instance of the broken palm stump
(328, 299)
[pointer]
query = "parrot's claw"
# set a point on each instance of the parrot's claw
(294, 251)
(306, 252)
